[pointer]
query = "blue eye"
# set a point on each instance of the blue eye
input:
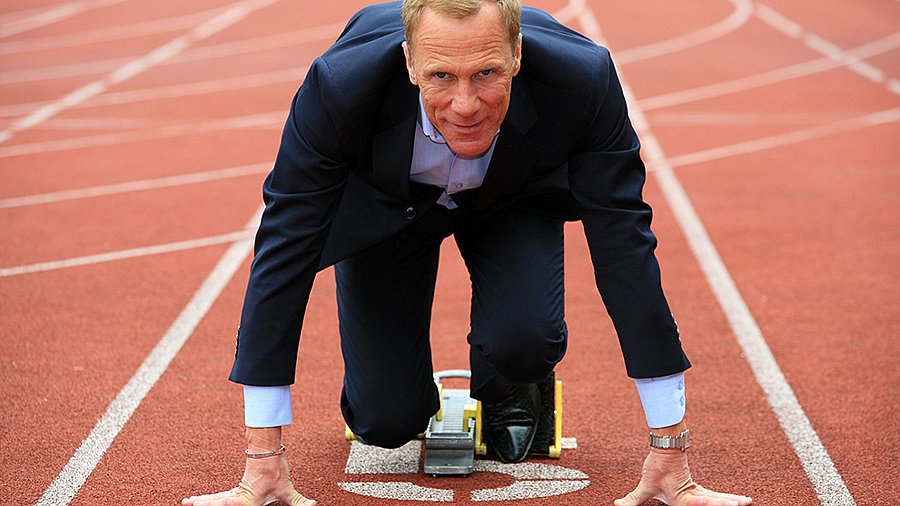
(486, 72)
(441, 75)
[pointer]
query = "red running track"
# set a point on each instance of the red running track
(134, 136)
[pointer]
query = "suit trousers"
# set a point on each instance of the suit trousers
(385, 294)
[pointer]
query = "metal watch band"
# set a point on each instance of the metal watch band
(680, 442)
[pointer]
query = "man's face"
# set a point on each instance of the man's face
(464, 70)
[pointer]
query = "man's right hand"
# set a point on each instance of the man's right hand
(266, 480)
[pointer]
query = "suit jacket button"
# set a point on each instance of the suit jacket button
(410, 212)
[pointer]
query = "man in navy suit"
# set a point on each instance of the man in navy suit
(490, 123)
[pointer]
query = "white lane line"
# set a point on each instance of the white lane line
(769, 77)
(235, 13)
(774, 141)
(293, 75)
(13, 24)
(827, 482)
(743, 10)
(82, 463)
(202, 54)
(106, 34)
(113, 256)
(133, 186)
(744, 118)
(819, 44)
(270, 120)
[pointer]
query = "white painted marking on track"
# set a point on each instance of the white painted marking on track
(113, 256)
(205, 53)
(106, 34)
(785, 139)
(849, 59)
(365, 459)
(744, 118)
(743, 10)
(271, 120)
(532, 479)
(232, 15)
(398, 491)
(827, 482)
(12, 24)
(768, 77)
(133, 186)
(777, 21)
(82, 463)
(294, 75)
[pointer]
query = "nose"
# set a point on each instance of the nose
(465, 100)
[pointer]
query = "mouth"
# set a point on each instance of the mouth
(467, 128)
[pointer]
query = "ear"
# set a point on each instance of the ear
(409, 64)
(518, 63)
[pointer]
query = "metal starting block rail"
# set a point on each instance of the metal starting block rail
(454, 432)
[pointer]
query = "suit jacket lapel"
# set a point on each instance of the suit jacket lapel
(392, 143)
(515, 154)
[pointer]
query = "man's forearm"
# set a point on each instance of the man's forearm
(672, 430)
(261, 440)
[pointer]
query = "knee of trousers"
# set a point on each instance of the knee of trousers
(526, 355)
(390, 424)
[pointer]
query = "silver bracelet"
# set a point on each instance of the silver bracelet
(262, 455)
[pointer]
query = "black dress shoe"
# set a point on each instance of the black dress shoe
(510, 423)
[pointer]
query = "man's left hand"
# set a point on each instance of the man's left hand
(667, 478)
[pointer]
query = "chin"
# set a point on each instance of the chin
(470, 148)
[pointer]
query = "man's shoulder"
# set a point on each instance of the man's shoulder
(559, 56)
(366, 55)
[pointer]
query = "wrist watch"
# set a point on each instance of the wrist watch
(680, 442)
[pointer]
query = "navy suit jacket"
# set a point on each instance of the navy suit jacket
(340, 183)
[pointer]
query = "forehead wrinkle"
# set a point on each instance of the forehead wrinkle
(449, 36)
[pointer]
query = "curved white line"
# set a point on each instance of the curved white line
(795, 71)
(743, 10)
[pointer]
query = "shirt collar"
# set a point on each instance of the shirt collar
(427, 128)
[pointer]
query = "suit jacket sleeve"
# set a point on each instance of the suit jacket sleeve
(301, 195)
(606, 178)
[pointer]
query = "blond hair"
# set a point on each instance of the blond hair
(510, 12)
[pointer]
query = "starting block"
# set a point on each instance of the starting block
(455, 433)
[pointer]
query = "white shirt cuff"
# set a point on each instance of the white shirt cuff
(267, 406)
(663, 399)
